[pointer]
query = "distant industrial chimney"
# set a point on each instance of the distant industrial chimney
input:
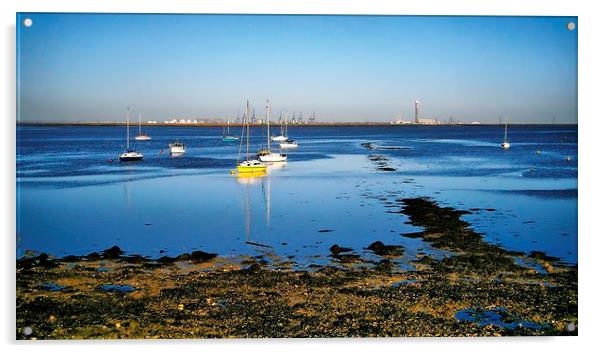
(416, 112)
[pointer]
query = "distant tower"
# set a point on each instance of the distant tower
(416, 112)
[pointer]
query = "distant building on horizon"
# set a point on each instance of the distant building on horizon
(416, 120)
(427, 121)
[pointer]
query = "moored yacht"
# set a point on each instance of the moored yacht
(505, 143)
(282, 136)
(129, 155)
(289, 144)
(177, 148)
(141, 136)
(249, 166)
(266, 155)
(226, 135)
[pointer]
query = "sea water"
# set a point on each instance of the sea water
(75, 197)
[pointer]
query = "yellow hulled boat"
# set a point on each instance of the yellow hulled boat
(249, 166)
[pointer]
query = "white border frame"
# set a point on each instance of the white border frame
(590, 114)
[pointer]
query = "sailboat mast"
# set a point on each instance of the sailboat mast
(280, 120)
(506, 131)
(248, 127)
(268, 118)
(127, 129)
(140, 124)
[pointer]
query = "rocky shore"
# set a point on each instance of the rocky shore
(478, 290)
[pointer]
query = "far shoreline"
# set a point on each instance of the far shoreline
(325, 124)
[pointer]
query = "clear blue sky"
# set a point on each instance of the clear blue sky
(77, 67)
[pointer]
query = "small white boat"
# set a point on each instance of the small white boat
(177, 148)
(271, 157)
(289, 144)
(129, 155)
(279, 138)
(141, 136)
(282, 136)
(505, 143)
(226, 135)
(266, 155)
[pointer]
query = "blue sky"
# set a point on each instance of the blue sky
(85, 67)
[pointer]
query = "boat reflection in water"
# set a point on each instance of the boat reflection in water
(276, 166)
(248, 180)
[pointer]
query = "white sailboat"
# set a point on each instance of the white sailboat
(266, 155)
(226, 135)
(280, 137)
(141, 136)
(505, 143)
(288, 143)
(129, 155)
(249, 167)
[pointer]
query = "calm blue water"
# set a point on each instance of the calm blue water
(72, 199)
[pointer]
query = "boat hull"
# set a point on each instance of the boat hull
(251, 167)
(177, 150)
(505, 145)
(279, 138)
(230, 138)
(245, 169)
(288, 145)
(130, 157)
(142, 138)
(273, 157)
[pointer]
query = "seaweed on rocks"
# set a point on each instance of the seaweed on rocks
(336, 249)
(42, 260)
(385, 250)
(444, 229)
(201, 256)
(257, 301)
(112, 253)
(540, 255)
